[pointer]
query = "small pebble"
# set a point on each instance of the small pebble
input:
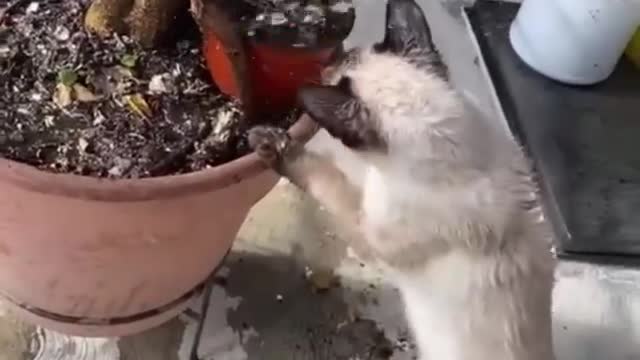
(36, 97)
(120, 167)
(5, 50)
(33, 7)
(83, 144)
(42, 49)
(159, 84)
(99, 118)
(61, 33)
(278, 18)
(49, 120)
(23, 111)
(177, 71)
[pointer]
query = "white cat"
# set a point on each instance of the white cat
(447, 204)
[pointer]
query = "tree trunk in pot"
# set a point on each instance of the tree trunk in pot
(147, 21)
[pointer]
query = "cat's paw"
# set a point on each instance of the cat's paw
(270, 143)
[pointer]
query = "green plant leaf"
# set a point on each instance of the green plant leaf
(67, 77)
(129, 60)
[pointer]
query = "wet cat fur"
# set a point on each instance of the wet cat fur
(447, 204)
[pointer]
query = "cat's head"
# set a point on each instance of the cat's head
(384, 97)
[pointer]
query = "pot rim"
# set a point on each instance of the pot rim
(82, 187)
(199, 12)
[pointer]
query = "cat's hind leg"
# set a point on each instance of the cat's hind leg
(313, 173)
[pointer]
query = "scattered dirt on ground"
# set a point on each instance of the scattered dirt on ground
(71, 102)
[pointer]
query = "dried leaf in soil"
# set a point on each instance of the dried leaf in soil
(138, 105)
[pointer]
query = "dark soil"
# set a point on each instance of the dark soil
(73, 103)
(302, 23)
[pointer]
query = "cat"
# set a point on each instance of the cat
(447, 205)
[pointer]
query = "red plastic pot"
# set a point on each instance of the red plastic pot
(275, 73)
(263, 65)
(95, 257)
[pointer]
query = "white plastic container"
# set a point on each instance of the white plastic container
(574, 41)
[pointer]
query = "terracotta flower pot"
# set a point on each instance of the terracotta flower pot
(95, 257)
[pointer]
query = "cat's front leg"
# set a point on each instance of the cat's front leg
(309, 171)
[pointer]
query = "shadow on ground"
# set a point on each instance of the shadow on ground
(279, 315)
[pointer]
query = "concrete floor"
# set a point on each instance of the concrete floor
(265, 307)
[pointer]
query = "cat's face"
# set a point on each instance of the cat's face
(372, 97)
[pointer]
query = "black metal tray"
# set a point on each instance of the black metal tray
(585, 141)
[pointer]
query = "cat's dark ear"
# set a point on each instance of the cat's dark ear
(339, 112)
(406, 29)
